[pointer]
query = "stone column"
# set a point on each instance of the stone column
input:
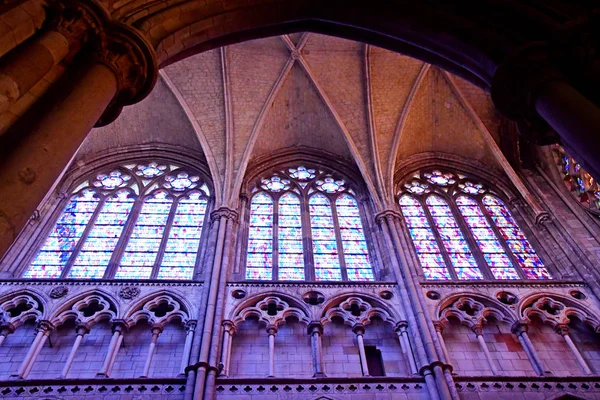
(271, 331)
(315, 330)
(563, 330)
(33, 158)
(402, 332)
(520, 328)
(478, 331)
(69, 28)
(114, 356)
(113, 348)
(81, 330)
(5, 330)
(359, 330)
(228, 331)
(156, 331)
(190, 328)
(43, 331)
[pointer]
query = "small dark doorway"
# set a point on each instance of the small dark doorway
(374, 361)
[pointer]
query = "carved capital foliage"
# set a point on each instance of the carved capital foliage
(519, 327)
(386, 214)
(77, 20)
(133, 60)
(223, 212)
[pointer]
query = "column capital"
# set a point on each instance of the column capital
(224, 212)
(229, 326)
(439, 326)
(45, 326)
(271, 330)
(315, 326)
(402, 326)
(132, 59)
(358, 329)
(6, 329)
(519, 327)
(477, 329)
(386, 214)
(82, 329)
(190, 325)
(76, 20)
(118, 325)
(562, 329)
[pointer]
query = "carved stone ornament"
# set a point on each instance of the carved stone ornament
(58, 292)
(129, 292)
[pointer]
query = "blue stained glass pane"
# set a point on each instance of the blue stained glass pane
(142, 247)
(259, 258)
(456, 246)
(528, 260)
(486, 239)
(426, 246)
(327, 265)
(59, 246)
(179, 259)
(92, 260)
(353, 239)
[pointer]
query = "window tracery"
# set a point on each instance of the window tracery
(305, 224)
(577, 180)
(135, 221)
(462, 230)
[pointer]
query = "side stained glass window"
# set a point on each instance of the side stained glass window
(488, 243)
(485, 243)
(305, 224)
(356, 254)
(260, 242)
(291, 254)
(325, 251)
(456, 246)
(137, 221)
(60, 244)
(428, 251)
(528, 260)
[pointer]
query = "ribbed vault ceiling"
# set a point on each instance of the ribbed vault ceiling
(370, 106)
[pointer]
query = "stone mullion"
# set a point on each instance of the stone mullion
(83, 237)
(203, 245)
(307, 240)
(165, 238)
(338, 238)
(117, 254)
(411, 251)
(243, 227)
(275, 244)
(373, 240)
(471, 241)
(438, 238)
(500, 238)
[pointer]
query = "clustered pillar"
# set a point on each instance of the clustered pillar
(35, 152)
(113, 348)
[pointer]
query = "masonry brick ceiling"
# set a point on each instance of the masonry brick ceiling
(362, 103)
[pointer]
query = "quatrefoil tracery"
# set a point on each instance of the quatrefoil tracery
(159, 311)
(271, 311)
(16, 311)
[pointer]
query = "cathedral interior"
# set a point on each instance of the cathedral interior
(276, 199)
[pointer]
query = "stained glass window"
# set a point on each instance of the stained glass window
(577, 180)
(260, 243)
(138, 221)
(291, 254)
(528, 260)
(500, 249)
(356, 255)
(332, 241)
(456, 246)
(325, 251)
(486, 238)
(428, 251)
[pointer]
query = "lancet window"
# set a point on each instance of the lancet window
(462, 230)
(134, 221)
(305, 224)
(577, 180)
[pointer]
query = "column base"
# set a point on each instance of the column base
(101, 375)
(320, 375)
(15, 377)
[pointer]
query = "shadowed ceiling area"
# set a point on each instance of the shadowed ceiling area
(372, 107)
